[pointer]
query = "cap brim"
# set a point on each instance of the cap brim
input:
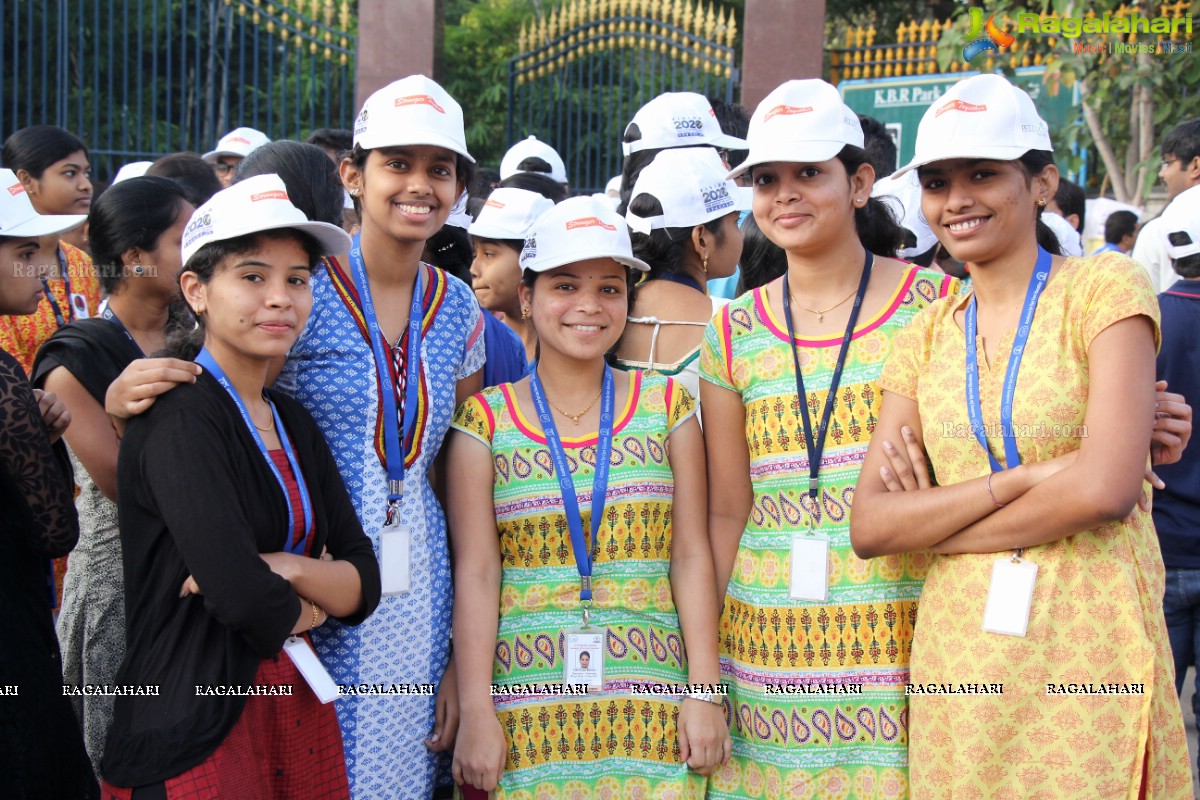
(212, 155)
(45, 225)
(333, 241)
(367, 141)
(788, 152)
(994, 153)
(485, 231)
(730, 142)
(571, 258)
(743, 198)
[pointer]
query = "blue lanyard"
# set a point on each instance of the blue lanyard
(392, 436)
(108, 314)
(210, 364)
(681, 279)
(54, 306)
(1012, 458)
(816, 445)
(579, 546)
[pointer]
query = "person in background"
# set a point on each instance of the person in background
(536, 182)
(312, 182)
(902, 195)
(534, 155)
(1120, 232)
(41, 748)
(498, 236)
(135, 230)
(683, 215)
(1065, 214)
(735, 121)
(231, 149)
(196, 176)
(762, 260)
(484, 180)
(1179, 171)
(336, 142)
(1177, 504)
(880, 145)
(134, 169)
(644, 584)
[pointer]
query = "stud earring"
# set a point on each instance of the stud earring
(355, 192)
(1041, 203)
(524, 313)
(858, 201)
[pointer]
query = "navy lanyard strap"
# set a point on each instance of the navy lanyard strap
(816, 444)
(1012, 458)
(110, 315)
(210, 364)
(681, 279)
(579, 545)
(393, 436)
(55, 307)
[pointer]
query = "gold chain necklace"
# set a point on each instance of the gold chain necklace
(575, 417)
(821, 314)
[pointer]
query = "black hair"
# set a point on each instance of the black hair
(535, 164)
(450, 248)
(515, 244)
(879, 144)
(185, 334)
(312, 180)
(665, 249)
(339, 140)
(536, 182)
(1120, 223)
(196, 175)
(877, 228)
(1188, 266)
(133, 213)
(633, 165)
(35, 148)
(1182, 141)
(484, 180)
(762, 260)
(1071, 199)
(1034, 162)
(734, 121)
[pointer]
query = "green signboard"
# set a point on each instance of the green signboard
(900, 103)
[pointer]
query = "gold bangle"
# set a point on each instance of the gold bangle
(991, 494)
(316, 614)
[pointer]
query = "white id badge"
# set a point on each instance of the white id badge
(810, 567)
(1010, 596)
(395, 559)
(584, 662)
(79, 305)
(314, 672)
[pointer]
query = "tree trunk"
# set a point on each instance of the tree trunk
(1107, 154)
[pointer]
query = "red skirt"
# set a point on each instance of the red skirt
(281, 748)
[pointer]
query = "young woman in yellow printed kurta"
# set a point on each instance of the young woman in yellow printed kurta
(1033, 398)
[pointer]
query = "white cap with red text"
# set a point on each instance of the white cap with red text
(800, 121)
(411, 111)
(690, 186)
(678, 119)
(239, 142)
(252, 206)
(981, 117)
(509, 213)
(533, 148)
(576, 230)
(1181, 222)
(18, 217)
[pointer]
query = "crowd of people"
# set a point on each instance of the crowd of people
(778, 470)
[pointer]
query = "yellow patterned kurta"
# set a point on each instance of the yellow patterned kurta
(1097, 608)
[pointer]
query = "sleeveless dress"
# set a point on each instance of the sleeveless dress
(614, 744)
(852, 739)
(1096, 619)
(331, 371)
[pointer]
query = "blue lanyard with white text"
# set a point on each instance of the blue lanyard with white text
(393, 437)
(206, 360)
(816, 445)
(1012, 458)
(108, 314)
(583, 553)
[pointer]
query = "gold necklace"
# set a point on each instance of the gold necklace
(821, 314)
(268, 428)
(575, 417)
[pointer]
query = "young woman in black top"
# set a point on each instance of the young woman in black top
(227, 495)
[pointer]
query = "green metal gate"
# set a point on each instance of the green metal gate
(586, 68)
(139, 78)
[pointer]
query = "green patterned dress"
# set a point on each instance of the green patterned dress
(848, 736)
(615, 745)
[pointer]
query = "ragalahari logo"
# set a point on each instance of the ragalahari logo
(985, 37)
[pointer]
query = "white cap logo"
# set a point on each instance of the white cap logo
(784, 110)
(960, 105)
(589, 222)
(16, 189)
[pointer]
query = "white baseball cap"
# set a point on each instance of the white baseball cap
(459, 216)
(533, 148)
(18, 217)
(239, 142)
(575, 230)
(690, 185)
(678, 119)
(903, 195)
(134, 169)
(983, 116)
(800, 121)
(254, 205)
(412, 110)
(1182, 216)
(509, 214)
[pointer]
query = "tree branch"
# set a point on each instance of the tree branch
(1096, 128)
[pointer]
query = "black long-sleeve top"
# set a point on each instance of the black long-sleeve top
(196, 497)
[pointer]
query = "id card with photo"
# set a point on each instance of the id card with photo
(1010, 596)
(79, 305)
(314, 672)
(809, 567)
(584, 663)
(395, 559)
